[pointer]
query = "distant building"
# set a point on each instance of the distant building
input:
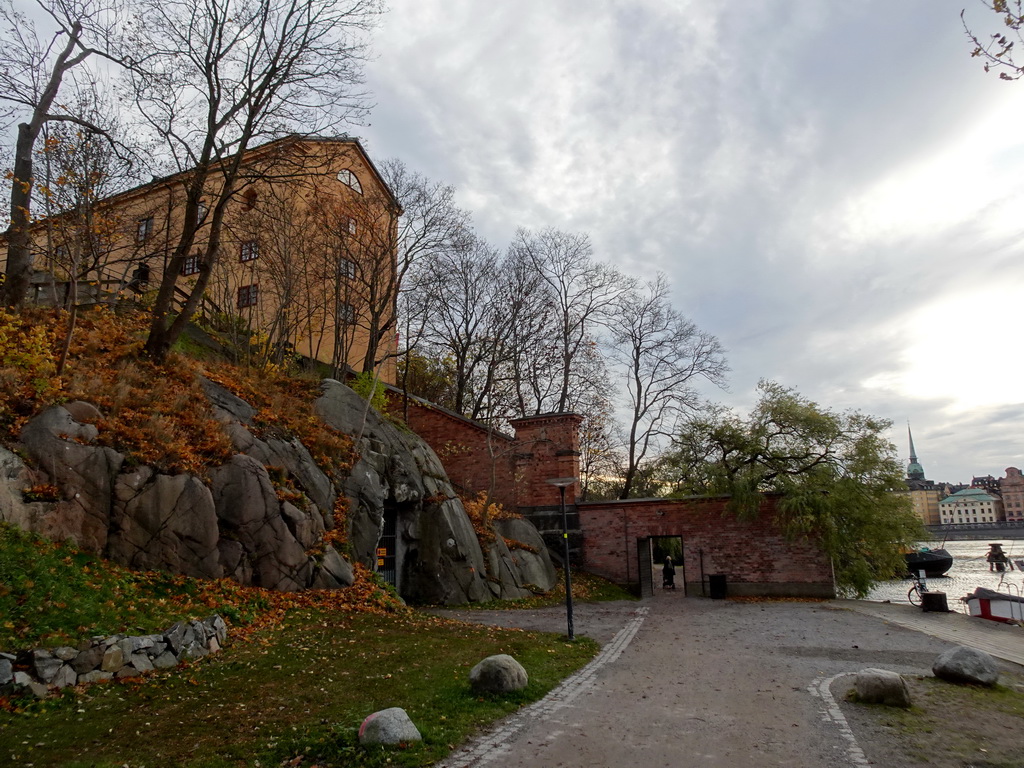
(971, 505)
(924, 494)
(1012, 487)
(986, 482)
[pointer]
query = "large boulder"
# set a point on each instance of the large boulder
(498, 674)
(84, 473)
(399, 474)
(966, 665)
(388, 726)
(249, 513)
(881, 686)
(164, 522)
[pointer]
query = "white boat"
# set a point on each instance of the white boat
(1006, 607)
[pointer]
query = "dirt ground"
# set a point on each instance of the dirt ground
(722, 683)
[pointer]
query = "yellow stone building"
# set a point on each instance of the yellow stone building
(306, 261)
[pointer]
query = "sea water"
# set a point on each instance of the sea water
(970, 570)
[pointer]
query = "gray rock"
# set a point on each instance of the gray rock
(45, 665)
(22, 679)
(65, 677)
(966, 665)
(141, 662)
(498, 674)
(165, 661)
(226, 406)
(96, 676)
(175, 636)
(248, 509)
(6, 671)
(335, 571)
(880, 686)
(88, 659)
(533, 567)
(83, 412)
(85, 474)
(215, 627)
(65, 653)
(388, 726)
(164, 522)
(113, 659)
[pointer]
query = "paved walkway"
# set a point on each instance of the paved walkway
(712, 683)
(1001, 640)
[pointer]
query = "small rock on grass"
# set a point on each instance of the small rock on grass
(881, 686)
(388, 726)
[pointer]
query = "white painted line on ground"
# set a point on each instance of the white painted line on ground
(821, 687)
(494, 743)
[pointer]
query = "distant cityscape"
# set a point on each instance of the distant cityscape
(987, 499)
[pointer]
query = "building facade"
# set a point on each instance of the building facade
(1012, 487)
(305, 263)
(924, 494)
(971, 505)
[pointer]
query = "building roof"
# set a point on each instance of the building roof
(968, 495)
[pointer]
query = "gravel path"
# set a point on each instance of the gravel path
(696, 682)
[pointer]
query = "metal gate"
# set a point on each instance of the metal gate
(643, 564)
(386, 547)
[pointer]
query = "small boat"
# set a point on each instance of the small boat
(996, 606)
(934, 562)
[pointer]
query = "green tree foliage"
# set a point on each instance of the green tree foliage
(838, 475)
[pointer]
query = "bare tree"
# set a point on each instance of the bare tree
(580, 290)
(33, 68)
(662, 355)
(216, 77)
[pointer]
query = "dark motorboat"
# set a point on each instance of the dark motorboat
(934, 562)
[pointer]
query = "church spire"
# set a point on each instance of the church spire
(914, 470)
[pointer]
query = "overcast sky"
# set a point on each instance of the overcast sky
(834, 188)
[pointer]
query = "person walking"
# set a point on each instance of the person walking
(668, 574)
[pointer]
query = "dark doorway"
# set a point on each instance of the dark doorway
(387, 554)
(663, 547)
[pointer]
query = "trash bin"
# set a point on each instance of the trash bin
(934, 602)
(717, 586)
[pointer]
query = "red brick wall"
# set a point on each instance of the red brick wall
(755, 556)
(468, 451)
(546, 448)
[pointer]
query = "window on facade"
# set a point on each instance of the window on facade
(143, 229)
(249, 250)
(191, 265)
(247, 295)
(346, 314)
(346, 268)
(350, 180)
(249, 199)
(201, 212)
(351, 226)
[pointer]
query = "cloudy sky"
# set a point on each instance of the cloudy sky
(835, 189)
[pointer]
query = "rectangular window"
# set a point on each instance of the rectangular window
(201, 212)
(249, 251)
(346, 268)
(247, 295)
(191, 265)
(346, 314)
(351, 226)
(144, 228)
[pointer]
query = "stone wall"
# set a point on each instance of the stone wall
(755, 556)
(105, 658)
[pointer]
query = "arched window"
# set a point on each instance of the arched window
(350, 180)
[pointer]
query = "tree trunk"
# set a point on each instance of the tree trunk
(19, 252)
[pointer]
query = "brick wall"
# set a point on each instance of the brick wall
(474, 457)
(755, 556)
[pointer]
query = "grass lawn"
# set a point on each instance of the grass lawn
(293, 695)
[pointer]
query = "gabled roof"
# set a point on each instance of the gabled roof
(968, 495)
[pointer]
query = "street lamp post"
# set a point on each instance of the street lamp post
(562, 483)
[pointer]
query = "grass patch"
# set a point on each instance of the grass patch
(298, 694)
(53, 594)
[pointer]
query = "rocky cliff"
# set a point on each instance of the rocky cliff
(262, 517)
